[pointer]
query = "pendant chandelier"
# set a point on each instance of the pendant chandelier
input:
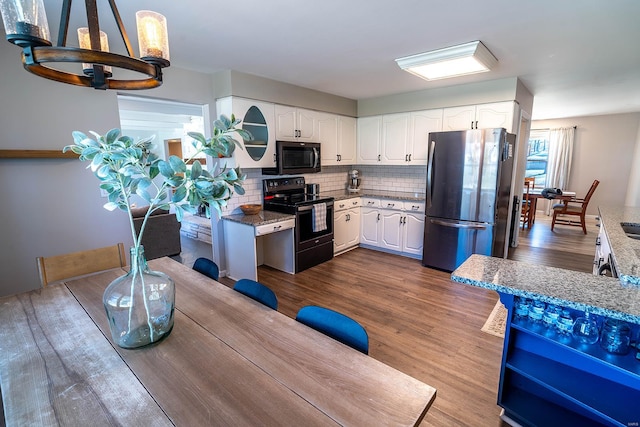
(25, 24)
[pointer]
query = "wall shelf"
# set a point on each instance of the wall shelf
(37, 154)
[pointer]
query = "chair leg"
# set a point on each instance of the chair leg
(582, 222)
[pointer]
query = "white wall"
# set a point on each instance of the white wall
(604, 149)
(53, 206)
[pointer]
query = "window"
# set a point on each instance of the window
(537, 156)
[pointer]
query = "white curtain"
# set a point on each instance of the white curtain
(559, 162)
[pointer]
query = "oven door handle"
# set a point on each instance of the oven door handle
(316, 157)
(310, 207)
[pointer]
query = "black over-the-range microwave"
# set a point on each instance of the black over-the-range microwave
(295, 158)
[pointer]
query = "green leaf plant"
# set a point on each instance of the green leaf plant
(126, 167)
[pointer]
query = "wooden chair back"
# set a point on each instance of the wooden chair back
(592, 190)
(55, 268)
(525, 207)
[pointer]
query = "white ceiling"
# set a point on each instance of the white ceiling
(577, 57)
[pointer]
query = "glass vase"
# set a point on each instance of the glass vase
(139, 304)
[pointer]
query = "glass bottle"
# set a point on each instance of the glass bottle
(522, 308)
(536, 311)
(564, 325)
(585, 329)
(616, 336)
(551, 316)
(140, 304)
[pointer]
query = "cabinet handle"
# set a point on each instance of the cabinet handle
(348, 217)
(378, 217)
(471, 124)
(378, 157)
(354, 203)
(274, 158)
(341, 205)
(277, 227)
(476, 124)
(598, 241)
(390, 205)
(414, 207)
(406, 157)
(409, 157)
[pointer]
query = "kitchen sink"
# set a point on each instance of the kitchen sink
(631, 230)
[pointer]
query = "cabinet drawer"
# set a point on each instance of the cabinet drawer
(417, 207)
(391, 204)
(370, 203)
(275, 227)
(341, 205)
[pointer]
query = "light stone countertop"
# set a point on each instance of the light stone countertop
(262, 218)
(393, 195)
(612, 297)
(625, 250)
(600, 295)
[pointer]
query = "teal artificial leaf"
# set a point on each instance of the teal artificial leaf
(179, 194)
(112, 136)
(238, 189)
(177, 164)
(165, 169)
(196, 170)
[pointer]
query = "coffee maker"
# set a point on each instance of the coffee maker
(354, 181)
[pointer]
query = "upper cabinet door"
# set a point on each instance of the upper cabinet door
(496, 115)
(395, 136)
(482, 116)
(285, 123)
(296, 124)
(257, 118)
(347, 140)
(459, 118)
(328, 138)
(369, 139)
(422, 123)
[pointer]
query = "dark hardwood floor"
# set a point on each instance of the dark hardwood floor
(422, 323)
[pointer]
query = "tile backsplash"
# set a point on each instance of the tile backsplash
(410, 179)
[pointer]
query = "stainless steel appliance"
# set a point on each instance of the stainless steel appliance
(468, 193)
(313, 243)
(354, 181)
(313, 189)
(295, 158)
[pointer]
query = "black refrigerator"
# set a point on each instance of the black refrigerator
(468, 196)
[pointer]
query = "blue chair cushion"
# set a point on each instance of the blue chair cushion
(336, 325)
(207, 267)
(257, 291)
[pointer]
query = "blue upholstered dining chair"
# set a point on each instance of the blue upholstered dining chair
(336, 325)
(257, 291)
(207, 267)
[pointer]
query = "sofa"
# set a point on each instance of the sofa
(161, 234)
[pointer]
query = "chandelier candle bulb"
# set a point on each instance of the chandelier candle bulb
(25, 23)
(84, 40)
(152, 35)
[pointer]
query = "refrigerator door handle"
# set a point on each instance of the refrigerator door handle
(432, 148)
(473, 226)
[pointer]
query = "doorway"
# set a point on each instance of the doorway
(170, 122)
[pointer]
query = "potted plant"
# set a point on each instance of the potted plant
(140, 304)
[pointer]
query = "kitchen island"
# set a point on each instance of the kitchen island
(548, 376)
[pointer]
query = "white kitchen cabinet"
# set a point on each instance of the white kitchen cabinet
(393, 226)
(346, 225)
(258, 118)
(369, 140)
(482, 116)
(397, 139)
(421, 124)
(296, 124)
(337, 134)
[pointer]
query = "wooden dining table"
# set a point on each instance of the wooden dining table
(535, 194)
(229, 360)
